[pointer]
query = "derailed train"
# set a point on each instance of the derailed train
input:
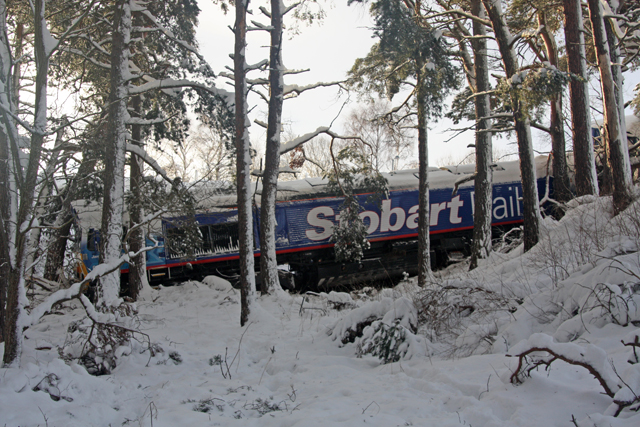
(305, 215)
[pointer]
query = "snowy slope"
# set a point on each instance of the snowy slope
(290, 368)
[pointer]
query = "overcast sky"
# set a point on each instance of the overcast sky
(328, 49)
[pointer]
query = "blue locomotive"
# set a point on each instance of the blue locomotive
(305, 216)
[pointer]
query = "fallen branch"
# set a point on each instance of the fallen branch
(592, 358)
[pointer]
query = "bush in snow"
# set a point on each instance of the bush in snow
(353, 324)
(462, 314)
(387, 342)
(98, 341)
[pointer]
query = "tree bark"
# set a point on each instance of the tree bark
(113, 177)
(585, 168)
(62, 224)
(138, 264)
(616, 71)
(7, 178)
(424, 243)
(5, 203)
(14, 309)
(43, 201)
(531, 210)
(245, 217)
(483, 203)
(268, 262)
(561, 185)
(618, 154)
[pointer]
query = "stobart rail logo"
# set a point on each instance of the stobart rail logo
(456, 212)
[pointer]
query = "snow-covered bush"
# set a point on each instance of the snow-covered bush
(462, 314)
(387, 342)
(353, 324)
(99, 341)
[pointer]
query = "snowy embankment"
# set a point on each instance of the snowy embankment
(296, 363)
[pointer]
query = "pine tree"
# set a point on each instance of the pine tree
(409, 54)
(586, 179)
(531, 210)
(615, 137)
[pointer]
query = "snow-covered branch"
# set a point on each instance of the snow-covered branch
(265, 12)
(297, 90)
(295, 143)
(74, 291)
(140, 152)
(173, 84)
(7, 110)
(259, 27)
(257, 66)
(290, 8)
(300, 71)
(143, 122)
(592, 358)
(138, 7)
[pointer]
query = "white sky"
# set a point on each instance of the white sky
(329, 49)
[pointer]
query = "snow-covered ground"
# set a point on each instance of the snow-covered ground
(288, 367)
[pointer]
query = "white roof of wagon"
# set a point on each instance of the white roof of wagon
(212, 197)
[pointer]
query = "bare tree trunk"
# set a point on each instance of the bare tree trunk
(8, 192)
(43, 200)
(138, 264)
(531, 210)
(15, 83)
(113, 177)
(585, 168)
(57, 244)
(616, 70)
(14, 310)
(7, 184)
(62, 224)
(424, 243)
(481, 246)
(245, 222)
(268, 262)
(618, 154)
(5, 203)
(561, 185)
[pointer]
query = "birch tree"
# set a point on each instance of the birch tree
(384, 145)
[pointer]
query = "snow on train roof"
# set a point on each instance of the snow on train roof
(444, 177)
(211, 197)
